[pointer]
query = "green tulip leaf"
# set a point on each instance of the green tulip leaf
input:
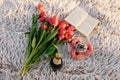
(34, 42)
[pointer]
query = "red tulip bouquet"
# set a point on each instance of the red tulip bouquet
(46, 34)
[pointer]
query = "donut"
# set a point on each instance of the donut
(89, 50)
(75, 41)
(76, 55)
(80, 56)
(72, 53)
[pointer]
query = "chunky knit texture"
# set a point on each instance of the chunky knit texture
(103, 64)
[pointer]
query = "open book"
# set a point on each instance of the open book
(83, 22)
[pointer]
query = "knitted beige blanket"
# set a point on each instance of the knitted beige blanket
(103, 64)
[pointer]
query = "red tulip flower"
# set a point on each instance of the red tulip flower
(43, 16)
(70, 30)
(61, 36)
(66, 30)
(62, 31)
(44, 27)
(54, 20)
(69, 33)
(63, 25)
(41, 19)
(40, 7)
